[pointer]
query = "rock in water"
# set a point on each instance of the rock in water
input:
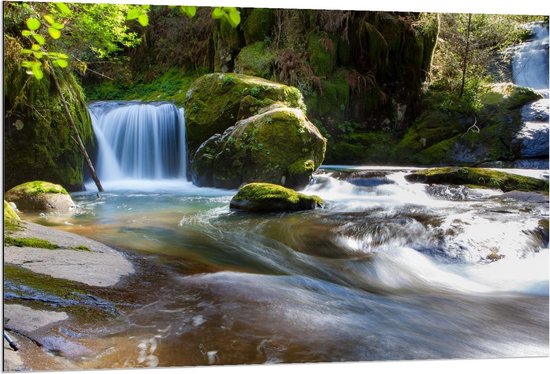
(217, 101)
(39, 196)
(277, 146)
(267, 197)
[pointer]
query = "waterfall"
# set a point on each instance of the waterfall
(139, 141)
(530, 69)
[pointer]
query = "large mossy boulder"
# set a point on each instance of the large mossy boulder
(217, 101)
(478, 177)
(267, 197)
(278, 145)
(38, 141)
(39, 196)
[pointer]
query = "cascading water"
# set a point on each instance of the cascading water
(530, 69)
(139, 141)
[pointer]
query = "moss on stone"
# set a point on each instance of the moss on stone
(37, 187)
(261, 148)
(214, 100)
(255, 59)
(11, 219)
(258, 25)
(479, 177)
(37, 137)
(272, 197)
(29, 242)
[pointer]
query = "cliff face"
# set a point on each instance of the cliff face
(37, 138)
(361, 67)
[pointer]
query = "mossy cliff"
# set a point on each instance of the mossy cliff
(37, 135)
(447, 135)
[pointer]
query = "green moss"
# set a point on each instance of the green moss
(255, 59)
(258, 25)
(322, 49)
(302, 166)
(37, 137)
(11, 219)
(479, 177)
(29, 242)
(212, 105)
(38, 187)
(272, 197)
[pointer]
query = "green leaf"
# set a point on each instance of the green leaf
(49, 19)
(39, 39)
(218, 13)
(233, 16)
(58, 55)
(35, 47)
(143, 19)
(26, 33)
(26, 51)
(38, 55)
(189, 11)
(64, 9)
(37, 72)
(60, 63)
(133, 13)
(26, 64)
(58, 26)
(54, 33)
(33, 24)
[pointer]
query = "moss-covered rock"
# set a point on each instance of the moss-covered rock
(37, 136)
(217, 101)
(40, 196)
(372, 148)
(279, 145)
(258, 25)
(478, 177)
(267, 197)
(11, 219)
(255, 59)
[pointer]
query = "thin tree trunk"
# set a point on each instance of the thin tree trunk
(466, 53)
(77, 139)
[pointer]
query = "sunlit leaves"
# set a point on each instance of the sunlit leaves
(64, 9)
(39, 39)
(60, 63)
(140, 14)
(189, 11)
(54, 33)
(230, 14)
(33, 68)
(33, 24)
(49, 19)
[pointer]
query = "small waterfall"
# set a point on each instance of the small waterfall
(144, 141)
(530, 69)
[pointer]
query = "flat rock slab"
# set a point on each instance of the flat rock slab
(100, 266)
(28, 319)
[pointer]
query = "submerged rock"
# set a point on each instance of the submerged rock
(266, 197)
(279, 145)
(478, 178)
(39, 196)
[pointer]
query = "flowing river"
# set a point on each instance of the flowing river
(388, 270)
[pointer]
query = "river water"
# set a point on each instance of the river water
(387, 270)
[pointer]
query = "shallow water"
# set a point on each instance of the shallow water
(387, 270)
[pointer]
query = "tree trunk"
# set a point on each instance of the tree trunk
(77, 139)
(466, 53)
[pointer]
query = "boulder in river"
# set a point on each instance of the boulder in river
(267, 197)
(279, 145)
(40, 196)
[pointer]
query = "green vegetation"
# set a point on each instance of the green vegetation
(29, 242)
(12, 221)
(479, 178)
(272, 197)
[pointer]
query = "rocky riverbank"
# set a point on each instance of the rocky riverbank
(52, 278)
